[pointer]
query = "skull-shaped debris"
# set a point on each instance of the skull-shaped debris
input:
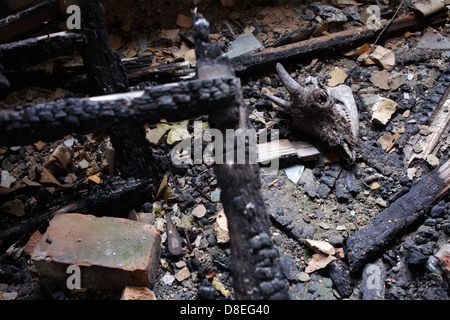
(327, 115)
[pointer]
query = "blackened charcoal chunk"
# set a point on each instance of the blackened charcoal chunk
(323, 190)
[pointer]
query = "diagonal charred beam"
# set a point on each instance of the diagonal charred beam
(49, 121)
(30, 52)
(29, 20)
(256, 267)
(366, 243)
(330, 43)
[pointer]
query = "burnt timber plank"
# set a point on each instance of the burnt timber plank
(328, 44)
(29, 20)
(26, 124)
(366, 243)
(30, 52)
(256, 266)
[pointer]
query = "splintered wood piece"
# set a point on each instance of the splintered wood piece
(438, 124)
(369, 241)
(284, 148)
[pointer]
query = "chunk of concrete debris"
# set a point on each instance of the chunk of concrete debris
(199, 211)
(183, 274)
(110, 253)
(318, 261)
(137, 293)
(294, 173)
(307, 182)
(371, 16)
(156, 136)
(383, 110)
(6, 179)
(380, 79)
(221, 228)
(384, 57)
(338, 77)
(320, 246)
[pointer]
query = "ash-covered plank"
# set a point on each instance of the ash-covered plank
(366, 243)
(30, 52)
(28, 20)
(50, 121)
(256, 267)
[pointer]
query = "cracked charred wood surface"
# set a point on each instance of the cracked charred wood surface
(134, 157)
(366, 243)
(26, 124)
(256, 267)
(30, 52)
(29, 20)
(330, 43)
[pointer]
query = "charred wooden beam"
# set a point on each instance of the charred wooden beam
(29, 20)
(50, 121)
(30, 52)
(256, 267)
(366, 243)
(330, 43)
(107, 75)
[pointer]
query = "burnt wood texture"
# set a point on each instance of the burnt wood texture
(256, 266)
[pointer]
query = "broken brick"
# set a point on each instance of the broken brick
(110, 252)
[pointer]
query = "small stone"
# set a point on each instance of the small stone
(432, 160)
(137, 293)
(396, 81)
(375, 186)
(307, 182)
(383, 57)
(7, 165)
(168, 279)
(324, 225)
(215, 195)
(294, 173)
(304, 277)
(338, 76)
(383, 110)
(221, 228)
(320, 246)
(220, 287)
(199, 211)
(7, 179)
(319, 261)
(83, 164)
(156, 136)
(70, 178)
(381, 202)
(70, 142)
(183, 274)
(180, 264)
(380, 79)
(323, 190)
